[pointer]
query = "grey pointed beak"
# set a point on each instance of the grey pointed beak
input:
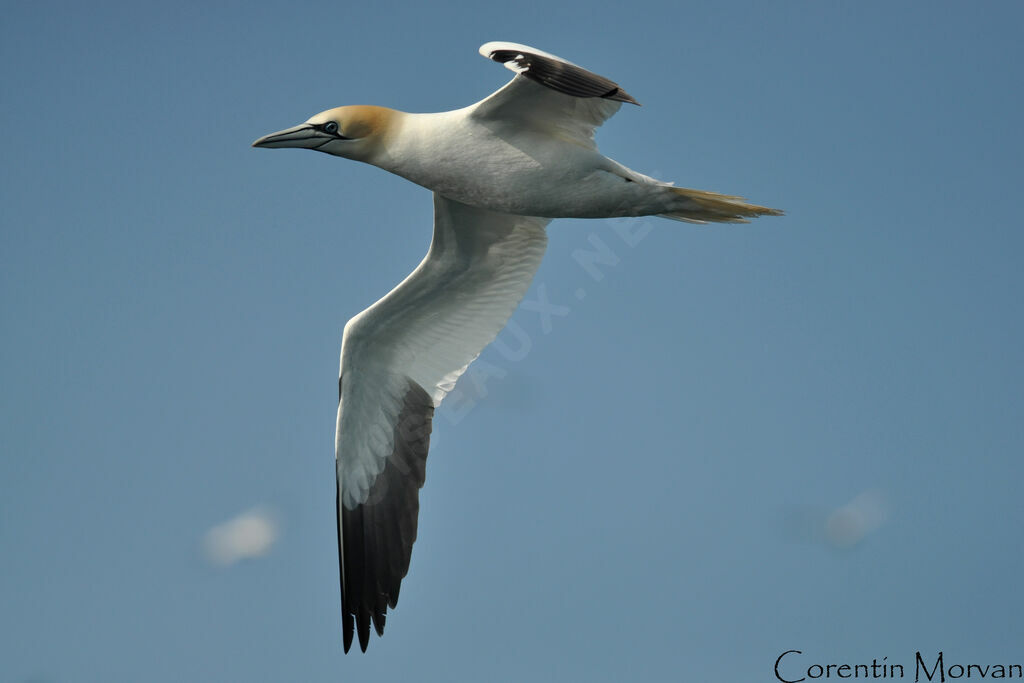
(304, 136)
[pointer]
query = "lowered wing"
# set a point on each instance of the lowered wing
(399, 358)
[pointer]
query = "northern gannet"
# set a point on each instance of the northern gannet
(500, 170)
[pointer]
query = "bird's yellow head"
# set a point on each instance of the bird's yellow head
(354, 132)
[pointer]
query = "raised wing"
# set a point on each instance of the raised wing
(550, 93)
(399, 358)
(554, 72)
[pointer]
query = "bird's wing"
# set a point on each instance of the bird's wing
(398, 360)
(549, 93)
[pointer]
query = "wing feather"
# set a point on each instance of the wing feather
(554, 72)
(550, 93)
(399, 358)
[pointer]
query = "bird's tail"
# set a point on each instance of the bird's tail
(699, 206)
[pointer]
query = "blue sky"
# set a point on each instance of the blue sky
(652, 483)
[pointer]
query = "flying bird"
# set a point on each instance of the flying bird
(500, 170)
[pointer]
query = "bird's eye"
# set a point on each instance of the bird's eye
(331, 127)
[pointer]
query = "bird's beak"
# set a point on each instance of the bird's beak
(304, 136)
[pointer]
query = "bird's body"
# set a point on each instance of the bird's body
(463, 156)
(500, 170)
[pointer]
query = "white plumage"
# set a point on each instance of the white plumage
(430, 328)
(500, 170)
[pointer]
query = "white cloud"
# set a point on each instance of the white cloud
(841, 527)
(249, 535)
(849, 524)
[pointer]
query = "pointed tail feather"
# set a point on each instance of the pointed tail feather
(700, 206)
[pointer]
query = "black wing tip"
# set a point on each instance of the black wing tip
(363, 622)
(506, 53)
(620, 95)
(370, 580)
(348, 628)
(360, 623)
